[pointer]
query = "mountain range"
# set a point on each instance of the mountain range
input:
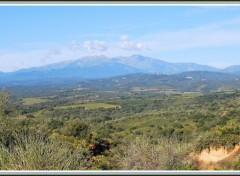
(103, 67)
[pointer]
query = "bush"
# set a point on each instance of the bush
(144, 154)
(76, 128)
(35, 152)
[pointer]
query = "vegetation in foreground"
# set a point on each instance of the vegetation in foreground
(150, 131)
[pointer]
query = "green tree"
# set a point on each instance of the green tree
(76, 128)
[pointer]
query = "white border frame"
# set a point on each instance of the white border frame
(118, 172)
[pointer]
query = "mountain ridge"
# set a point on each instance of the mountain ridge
(103, 67)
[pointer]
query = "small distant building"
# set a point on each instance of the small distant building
(189, 77)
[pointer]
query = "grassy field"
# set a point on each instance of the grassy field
(31, 101)
(89, 106)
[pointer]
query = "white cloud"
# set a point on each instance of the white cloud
(133, 46)
(130, 45)
(15, 60)
(94, 46)
(74, 45)
(124, 37)
(24, 59)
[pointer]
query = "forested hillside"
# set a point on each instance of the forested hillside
(106, 130)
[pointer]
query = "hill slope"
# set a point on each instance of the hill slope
(232, 69)
(101, 67)
(187, 81)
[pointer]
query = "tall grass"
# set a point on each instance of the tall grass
(144, 154)
(35, 152)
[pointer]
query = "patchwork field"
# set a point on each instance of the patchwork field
(89, 106)
(31, 101)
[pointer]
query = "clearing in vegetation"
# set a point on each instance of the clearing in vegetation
(31, 101)
(89, 106)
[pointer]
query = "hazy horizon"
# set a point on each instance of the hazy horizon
(33, 36)
(85, 57)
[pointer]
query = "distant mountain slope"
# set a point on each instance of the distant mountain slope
(185, 67)
(72, 70)
(146, 64)
(232, 69)
(188, 81)
(150, 65)
(85, 68)
(104, 67)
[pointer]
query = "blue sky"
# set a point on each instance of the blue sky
(39, 35)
